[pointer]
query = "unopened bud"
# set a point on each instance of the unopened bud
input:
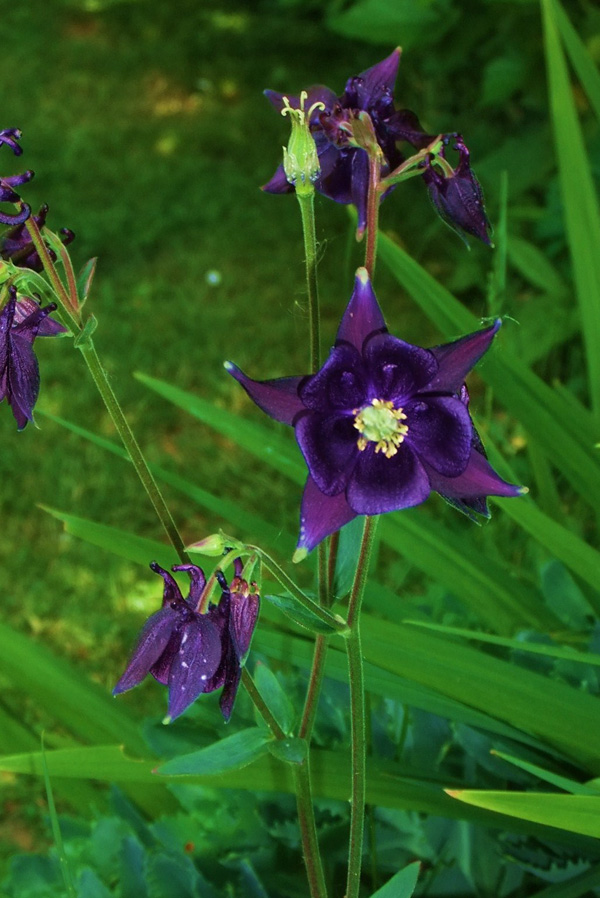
(300, 158)
(216, 544)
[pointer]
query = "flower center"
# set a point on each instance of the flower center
(380, 423)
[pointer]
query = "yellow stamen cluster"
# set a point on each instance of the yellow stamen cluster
(380, 423)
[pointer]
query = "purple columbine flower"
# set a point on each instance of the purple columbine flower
(10, 137)
(192, 651)
(344, 175)
(16, 244)
(20, 323)
(383, 423)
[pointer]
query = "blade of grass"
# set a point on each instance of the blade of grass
(579, 201)
(581, 60)
(574, 813)
(58, 842)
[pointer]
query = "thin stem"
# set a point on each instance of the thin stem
(307, 212)
(373, 199)
(314, 688)
(261, 706)
(357, 712)
(131, 445)
(334, 545)
(308, 831)
(271, 565)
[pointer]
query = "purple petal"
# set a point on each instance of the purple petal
(456, 359)
(477, 481)
(363, 316)
(278, 183)
(244, 613)
(197, 584)
(329, 446)
(379, 79)
(23, 379)
(404, 125)
(340, 384)
(335, 180)
(321, 515)
(379, 484)
(171, 591)
(160, 669)
(195, 663)
(278, 398)
(47, 327)
(152, 642)
(440, 432)
(359, 186)
(232, 681)
(398, 370)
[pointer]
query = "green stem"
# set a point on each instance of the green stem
(357, 712)
(308, 831)
(133, 450)
(332, 620)
(261, 706)
(314, 688)
(373, 198)
(307, 212)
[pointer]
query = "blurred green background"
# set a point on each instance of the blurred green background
(149, 136)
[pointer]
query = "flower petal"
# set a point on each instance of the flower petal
(456, 359)
(379, 484)
(378, 79)
(278, 183)
(47, 327)
(329, 444)
(195, 663)
(171, 591)
(321, 515)
(151, 643)
(23, 378)
(363, 316)
(197, 582)
(341, 383)
(474, 484)
(242, 621)
(359, 185)
(278, 398)
(397, 370)
(440, 432)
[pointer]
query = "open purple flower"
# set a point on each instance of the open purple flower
(16, 244)
(10, 137)
(383, 423)
(344, 175)
(20, 323)
(190, 651)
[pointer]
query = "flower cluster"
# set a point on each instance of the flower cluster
(10, 137)
(344, 167)
(21, 321)
(16, 244)
(383, 423)
(194, 650)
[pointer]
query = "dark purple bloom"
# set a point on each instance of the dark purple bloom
(192, 651)
(10, 136)
(344, 173)
(458, 197)
(16, 244)
(20, 323)
(383, 423)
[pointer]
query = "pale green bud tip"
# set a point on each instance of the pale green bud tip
(523, 490)
(299, 555)
(215, 544)
(300, 158)
(167, 720)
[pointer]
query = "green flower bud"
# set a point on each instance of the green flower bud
(300, 159)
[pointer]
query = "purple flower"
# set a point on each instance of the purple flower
(193, 651)
(10, 136)
(383, 423)
(458, 197)
(20, 323)
(344, 167)
(16, 244)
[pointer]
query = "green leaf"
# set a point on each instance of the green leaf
(231, 753)
(418, 22)
(119, 542)
(56, 833)
(300, 614)
(276, 700)
(580, 57)
(579, 200)
(561, 782)
(402, 884)
(292, 750)
(533, 264)
(85, 279)
(574, 813)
